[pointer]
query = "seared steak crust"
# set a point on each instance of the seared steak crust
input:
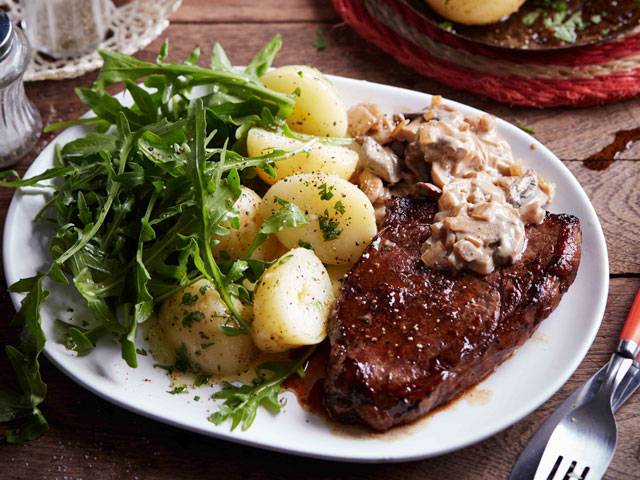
(405, 339)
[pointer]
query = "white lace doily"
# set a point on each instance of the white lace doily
(133, 26)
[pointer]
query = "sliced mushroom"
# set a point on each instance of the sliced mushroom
(361, 120)
(381, 161)
(521, 190)
(371, 185)
(489, 232)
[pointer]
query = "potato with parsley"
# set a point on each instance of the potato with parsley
(292, 302)
(319, 109)
(330, 159)
(475, 12)
(191, 320)
(341, 220)
(236, 243)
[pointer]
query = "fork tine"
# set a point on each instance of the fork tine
(585, 472)
(549, 466)
(572, 468)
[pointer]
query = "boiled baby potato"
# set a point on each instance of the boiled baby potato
(192, 318)
(331, 159)
(475, 12)
(319, 109)
(341, 219)
(291, 303)
(236, 243)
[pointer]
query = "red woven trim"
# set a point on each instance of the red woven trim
(511, 89)
(574, 57)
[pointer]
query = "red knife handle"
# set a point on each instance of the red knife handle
(631, 329)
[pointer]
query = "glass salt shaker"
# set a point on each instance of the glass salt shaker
(66, 28)
(20, 122)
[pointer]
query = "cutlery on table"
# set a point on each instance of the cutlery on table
(572, 434)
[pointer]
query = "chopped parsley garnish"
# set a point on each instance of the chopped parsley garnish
(178, 389)
(448, 26)
(303, 244)
(339, 207)
(329, 227)
(183, 361)
(326, 191)
(200, 380)
(191, 317)
(531, 17)
(189, 299)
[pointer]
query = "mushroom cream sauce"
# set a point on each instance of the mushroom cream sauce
(485, 196)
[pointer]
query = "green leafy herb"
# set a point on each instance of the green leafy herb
(326, 191)
(189, 299)
(287, 216)
(339, 207)
(21, 406)
(241, 402)
(531, 17)
(448, 26)
(526, 129)
(191, 317)
(320, 41)
(178, 389)
(304, 244)
(329, 226)
(200, 380)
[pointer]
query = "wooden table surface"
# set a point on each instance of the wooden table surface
(92, 439)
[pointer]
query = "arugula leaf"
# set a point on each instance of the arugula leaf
(32, 181)
(288, 216)
(137, 201)
(207, 265)
(320, 42)
(219, 59)
(264, 58)
(24, 359)
(119, 67)
(241, 402)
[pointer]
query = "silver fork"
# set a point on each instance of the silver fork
(582, 444)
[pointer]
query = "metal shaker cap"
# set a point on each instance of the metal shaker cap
(6, 34)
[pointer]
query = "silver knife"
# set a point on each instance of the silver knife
(525, 467)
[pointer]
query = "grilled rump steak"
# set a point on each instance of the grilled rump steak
(405, 338)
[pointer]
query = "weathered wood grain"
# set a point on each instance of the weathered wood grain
(615, 195)
(92, 439)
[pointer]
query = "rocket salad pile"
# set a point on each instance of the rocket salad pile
(135, 204)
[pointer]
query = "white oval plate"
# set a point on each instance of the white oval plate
(512, 392)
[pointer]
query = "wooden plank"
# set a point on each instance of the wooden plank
(615, 195)
(212, 11)
(91, 438)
